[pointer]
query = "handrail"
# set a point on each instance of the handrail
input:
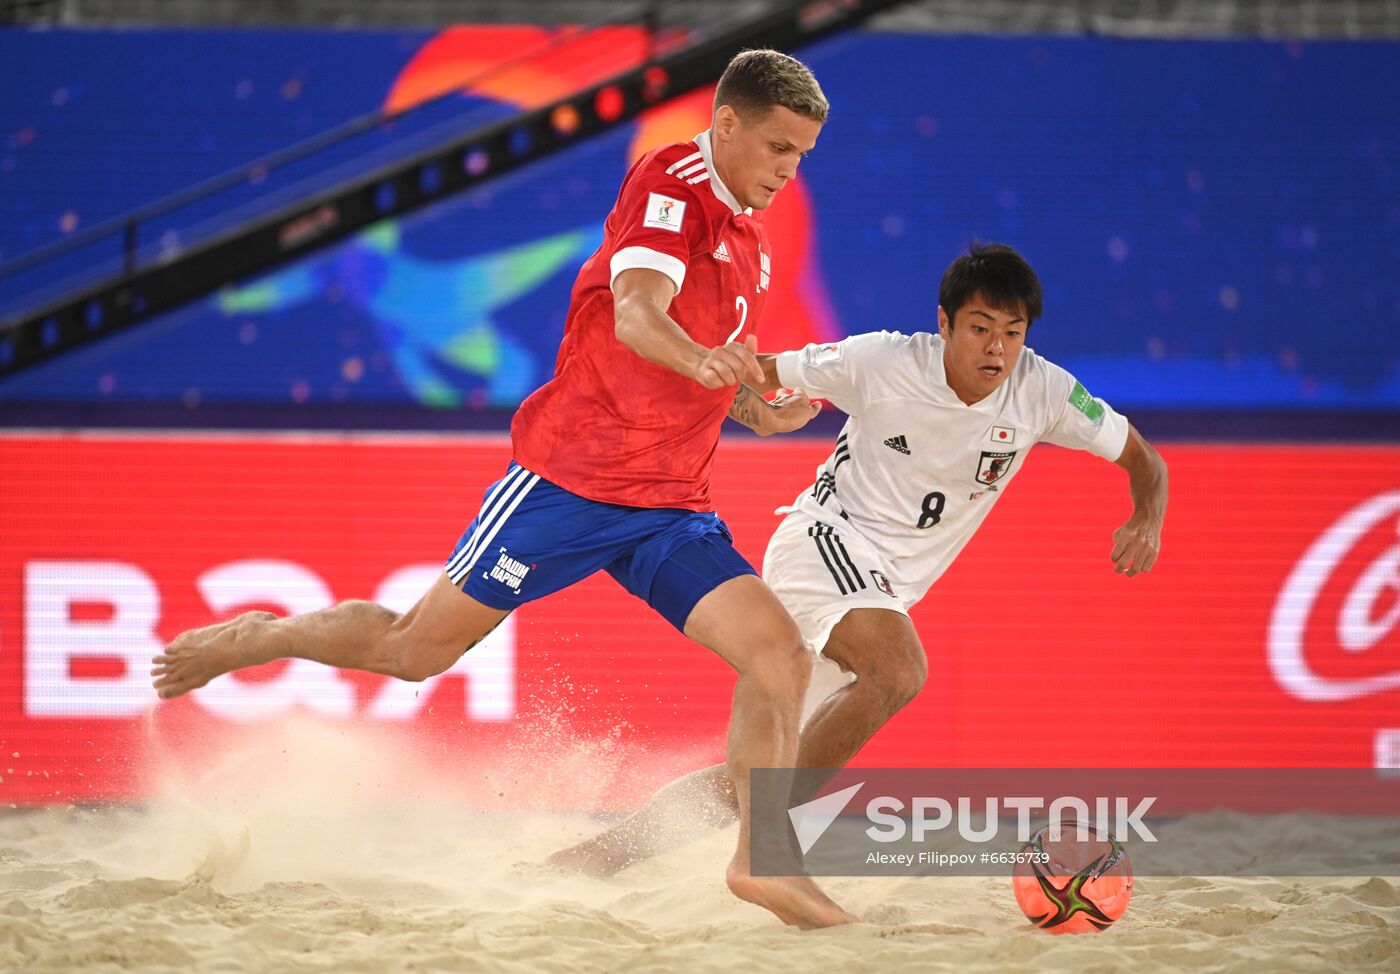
(94, 311)
(129, 223)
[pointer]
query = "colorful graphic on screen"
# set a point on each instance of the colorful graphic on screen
(434, 318)
(1209, 228)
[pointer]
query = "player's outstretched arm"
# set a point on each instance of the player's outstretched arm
(771, 382)
(1137, 543)
(641, 298)
(787, 412)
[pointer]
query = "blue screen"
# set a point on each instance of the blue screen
(1216, 224)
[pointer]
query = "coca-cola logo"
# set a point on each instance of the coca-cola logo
(1369, 612)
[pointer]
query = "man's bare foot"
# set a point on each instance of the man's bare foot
(795, 900)
(679, 813)
(197, 656)
(593, 857)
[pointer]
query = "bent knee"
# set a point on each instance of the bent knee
(417, 667)
(896, 680)
(412, 658)
(783, 667)
(429, 639)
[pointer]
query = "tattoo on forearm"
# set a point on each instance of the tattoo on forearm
(476, 642)
(748, 407)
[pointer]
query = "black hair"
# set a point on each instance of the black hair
(996, 272)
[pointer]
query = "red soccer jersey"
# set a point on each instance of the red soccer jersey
(611, 426)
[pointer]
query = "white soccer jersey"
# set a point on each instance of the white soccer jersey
(915, 469)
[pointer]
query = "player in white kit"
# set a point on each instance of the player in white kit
(939, 425)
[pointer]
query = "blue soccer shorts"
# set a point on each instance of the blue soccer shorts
(533, 538)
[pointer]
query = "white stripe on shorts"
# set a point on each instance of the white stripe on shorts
(505, 485)
(491, 520)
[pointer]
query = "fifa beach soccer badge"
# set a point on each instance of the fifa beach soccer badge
(664, 213)
(1080, 399)
(994, 465)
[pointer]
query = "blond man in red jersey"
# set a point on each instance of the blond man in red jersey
(612, 456)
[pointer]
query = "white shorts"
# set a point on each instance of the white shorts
(820, 572)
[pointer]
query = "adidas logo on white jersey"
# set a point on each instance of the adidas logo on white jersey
(898, 443)
(722, 253)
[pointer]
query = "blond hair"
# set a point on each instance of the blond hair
(756, 81)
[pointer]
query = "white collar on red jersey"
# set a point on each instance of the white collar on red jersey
(716, 184)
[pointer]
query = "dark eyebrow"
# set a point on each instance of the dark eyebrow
(1014, 320)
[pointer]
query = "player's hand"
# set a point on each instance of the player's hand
(792, 411)
(730, 364)
(1136, 545)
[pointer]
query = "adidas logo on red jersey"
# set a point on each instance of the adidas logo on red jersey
(722, 253)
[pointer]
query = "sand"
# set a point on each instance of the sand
(320, 847)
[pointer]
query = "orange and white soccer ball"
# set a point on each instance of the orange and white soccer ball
(1072, 881)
